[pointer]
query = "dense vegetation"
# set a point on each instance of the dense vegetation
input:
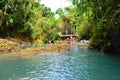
(102, 25)
(98, 21)
(27, 20)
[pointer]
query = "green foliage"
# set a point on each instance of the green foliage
(49, 28)
(101, 18)
(60, 12)
(95, 20)
(27, 20)
(80, 19)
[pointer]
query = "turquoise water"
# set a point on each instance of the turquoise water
(80, 63)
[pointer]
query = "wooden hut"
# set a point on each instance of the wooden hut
(70, 37)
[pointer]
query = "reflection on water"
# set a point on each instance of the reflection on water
(80, 63)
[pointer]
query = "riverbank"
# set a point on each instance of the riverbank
(10, 46)
(49, 48)
(7, 45)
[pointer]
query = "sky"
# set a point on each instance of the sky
(55, 4)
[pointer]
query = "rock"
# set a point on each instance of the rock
(7, 45)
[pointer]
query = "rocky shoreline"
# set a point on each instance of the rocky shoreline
(49, 48)
(8, 46)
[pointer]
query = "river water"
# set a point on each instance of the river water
(80, 63)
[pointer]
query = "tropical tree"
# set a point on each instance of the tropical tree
(100, 15)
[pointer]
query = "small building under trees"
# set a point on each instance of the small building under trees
(69, 37)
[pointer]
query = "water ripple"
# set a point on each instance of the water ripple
(78, 64)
